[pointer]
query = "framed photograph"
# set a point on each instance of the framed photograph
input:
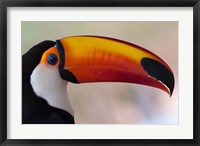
(99, 72)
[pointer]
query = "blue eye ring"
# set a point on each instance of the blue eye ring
(52, 59)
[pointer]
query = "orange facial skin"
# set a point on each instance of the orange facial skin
(44, 59)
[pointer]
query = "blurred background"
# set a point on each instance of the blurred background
(117, 103)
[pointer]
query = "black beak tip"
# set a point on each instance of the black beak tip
(158, 71)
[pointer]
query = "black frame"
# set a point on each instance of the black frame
(4, 4)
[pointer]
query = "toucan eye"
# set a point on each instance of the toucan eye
(52, 59)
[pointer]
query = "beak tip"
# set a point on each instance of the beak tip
(171, 90)
(159, 72)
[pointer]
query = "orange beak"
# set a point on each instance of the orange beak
(86, 59)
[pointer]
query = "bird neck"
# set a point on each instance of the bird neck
(47, 84)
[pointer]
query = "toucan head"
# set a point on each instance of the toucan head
(84, 59)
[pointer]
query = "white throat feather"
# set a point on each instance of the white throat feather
(47, 83)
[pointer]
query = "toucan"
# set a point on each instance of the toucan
(48, 67)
